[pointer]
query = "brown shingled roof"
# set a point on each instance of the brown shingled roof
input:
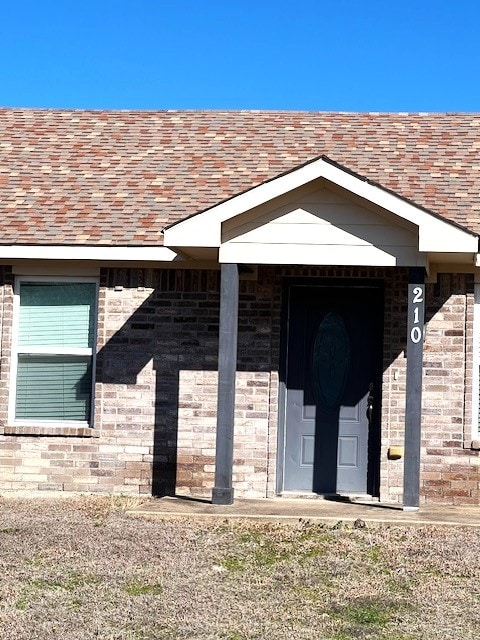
(119, 177)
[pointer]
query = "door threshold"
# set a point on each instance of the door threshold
(333, 497)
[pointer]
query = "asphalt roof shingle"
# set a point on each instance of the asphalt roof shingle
(119, 177)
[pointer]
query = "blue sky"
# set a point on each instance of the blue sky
(375, 55)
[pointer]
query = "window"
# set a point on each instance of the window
(54, 350)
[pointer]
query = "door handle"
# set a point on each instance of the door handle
(370, 400)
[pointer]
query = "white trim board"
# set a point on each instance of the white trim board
(321, 255)
(81, 252)
(435, 234)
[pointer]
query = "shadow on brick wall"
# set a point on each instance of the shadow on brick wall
(176, 327)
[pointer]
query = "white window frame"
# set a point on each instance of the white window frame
(476, 365)
(18, 350)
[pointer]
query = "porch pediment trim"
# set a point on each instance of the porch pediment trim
(435, 234)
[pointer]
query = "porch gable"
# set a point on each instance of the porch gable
(213, 228)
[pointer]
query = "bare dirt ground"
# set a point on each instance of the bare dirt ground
(80, 568)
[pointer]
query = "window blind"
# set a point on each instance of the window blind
(57, 314)
(53, 387)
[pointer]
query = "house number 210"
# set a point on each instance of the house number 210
(416, 332)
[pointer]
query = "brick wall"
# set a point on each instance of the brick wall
(117, 457)
(155, 391)
(394, 382)
(450, 468)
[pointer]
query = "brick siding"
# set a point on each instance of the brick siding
(155, 390)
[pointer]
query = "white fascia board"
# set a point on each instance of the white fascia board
(435, 234)
(205, 227)
(80, 252)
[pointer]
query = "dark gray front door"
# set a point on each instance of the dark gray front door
(332, 383)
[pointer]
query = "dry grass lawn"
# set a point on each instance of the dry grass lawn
(80, 568)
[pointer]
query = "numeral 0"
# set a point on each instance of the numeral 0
(416, 335)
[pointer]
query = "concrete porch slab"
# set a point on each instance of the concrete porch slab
(315, 510)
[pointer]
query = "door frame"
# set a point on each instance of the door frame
(374, 441)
